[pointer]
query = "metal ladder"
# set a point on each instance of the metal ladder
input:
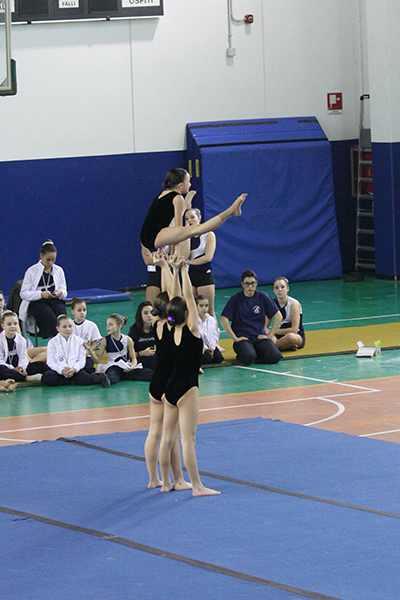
(365, 232)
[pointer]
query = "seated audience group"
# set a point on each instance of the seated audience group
(259, 326)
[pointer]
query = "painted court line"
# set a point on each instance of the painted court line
(16, 440)
(339, 412)
(287, 374)
(379, 433)
(327, 398)
(351, 320)
(75, 424)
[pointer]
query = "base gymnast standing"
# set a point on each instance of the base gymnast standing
(164, 369)
(181, 406)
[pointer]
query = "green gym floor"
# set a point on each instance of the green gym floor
(339, 392)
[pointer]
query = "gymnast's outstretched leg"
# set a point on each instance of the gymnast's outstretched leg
(174, 235)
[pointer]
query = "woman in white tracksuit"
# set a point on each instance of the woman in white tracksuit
(43, 291)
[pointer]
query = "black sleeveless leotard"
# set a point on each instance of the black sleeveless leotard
(165, 363)
(160, 215)
(187, 357)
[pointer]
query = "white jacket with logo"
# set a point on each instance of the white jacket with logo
(29, 289)
(63, 353)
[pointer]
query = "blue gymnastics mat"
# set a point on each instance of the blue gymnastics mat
(303, 513)
(97, 295)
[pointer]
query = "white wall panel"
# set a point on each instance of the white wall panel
(312, 49)
(384, 59)
(188, 75)
(131, 86)
(74, 92)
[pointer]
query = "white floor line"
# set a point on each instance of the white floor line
(335, 382)
(230, 407)
(379, 433)
(75, 424)
(327, 398)
(351, 320)
(339, 412)
(16, 440)
(343, 394)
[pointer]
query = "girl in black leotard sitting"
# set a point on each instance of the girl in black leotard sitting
(181, 407)
(168, 209)
(142, 334)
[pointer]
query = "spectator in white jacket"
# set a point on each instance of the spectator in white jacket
(43, 291)
(209, 332)
(66, 357)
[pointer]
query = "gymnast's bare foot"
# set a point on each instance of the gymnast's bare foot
(237, 205)
(188, 199)
(154, 483)
(167, 487)
(182, 485)
(8, 385)
(203, 491)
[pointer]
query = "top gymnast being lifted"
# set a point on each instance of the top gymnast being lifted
(168, 209)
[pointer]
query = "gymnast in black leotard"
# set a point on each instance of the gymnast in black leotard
(163, 225)
(160, 215)
(164, 351)
(187, 355)
(181, 406)
(162, 373)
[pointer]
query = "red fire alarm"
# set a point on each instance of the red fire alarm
(335, 101)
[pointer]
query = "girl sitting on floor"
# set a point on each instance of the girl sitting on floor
(66, 357)
(121, 357)
(290, 335)
(208, 327)
(9, 385)
(14, 362)
(85, 329)
(142, 334)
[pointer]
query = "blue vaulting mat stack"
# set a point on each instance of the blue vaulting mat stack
(289, 225)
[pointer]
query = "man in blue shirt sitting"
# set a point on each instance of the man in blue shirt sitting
(246, 318)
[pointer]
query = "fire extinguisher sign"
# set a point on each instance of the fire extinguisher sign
(335, 102)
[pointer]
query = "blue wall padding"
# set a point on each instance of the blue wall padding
(346, 206)
(91, 207)
(288, 226)
(252, 131)
(386, 174)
